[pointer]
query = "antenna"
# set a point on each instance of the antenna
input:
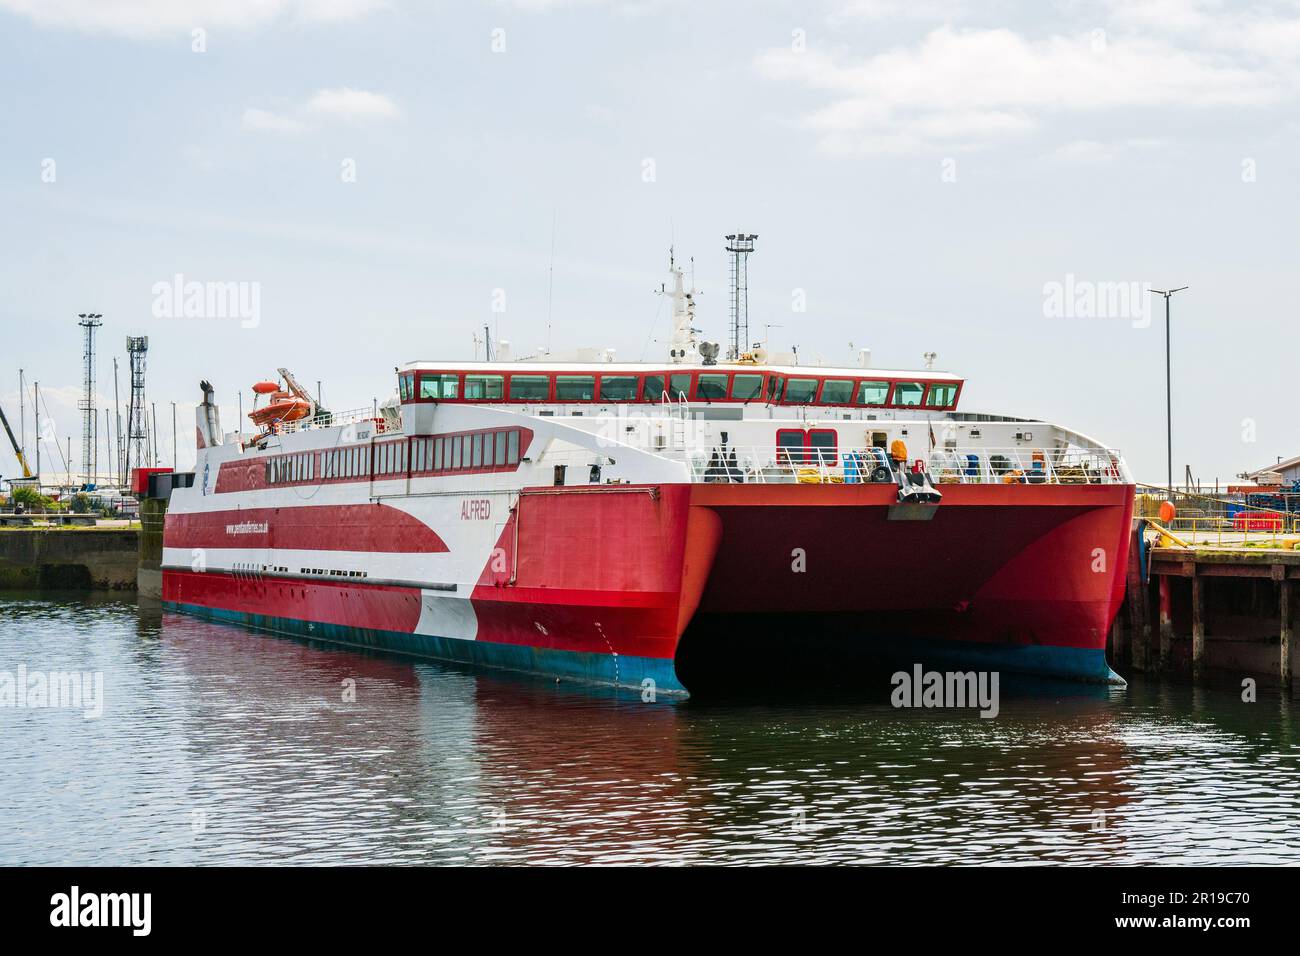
(739, 245)
(550, 285)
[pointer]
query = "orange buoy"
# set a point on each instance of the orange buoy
(1167, 511)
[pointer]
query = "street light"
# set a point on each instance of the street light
(1169, 401)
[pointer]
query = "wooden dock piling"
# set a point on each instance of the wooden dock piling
(1224, 618)
(1286, 634)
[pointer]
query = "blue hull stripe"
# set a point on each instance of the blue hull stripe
(1068, 663)
(618, 670)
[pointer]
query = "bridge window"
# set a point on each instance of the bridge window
(837, 391)
(711, 386)
(941, 396)
(654, 388)
(908, 393)
(485, 387)
(530, 388)
(775, 387)
(439, 386)
(618, 388)
(746, 388)
(873, 393)
(679, 384)
(800, 391)
(575, 388)
(406, 386)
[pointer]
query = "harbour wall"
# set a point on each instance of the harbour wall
(69, 558)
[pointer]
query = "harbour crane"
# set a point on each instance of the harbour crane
(18, 452)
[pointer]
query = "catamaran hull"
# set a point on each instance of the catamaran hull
(645, 586)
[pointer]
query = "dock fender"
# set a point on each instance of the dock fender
(703, 534)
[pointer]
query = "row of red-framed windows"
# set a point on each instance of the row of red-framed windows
(484, 450)
(697, 386)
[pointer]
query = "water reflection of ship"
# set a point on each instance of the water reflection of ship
(485, 768)
(443, 762)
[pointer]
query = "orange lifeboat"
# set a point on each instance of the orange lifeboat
(282, 406)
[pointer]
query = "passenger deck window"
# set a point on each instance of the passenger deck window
(529, 388)
(575, 388)
(512, 448)
(618, 388)
(485, 387)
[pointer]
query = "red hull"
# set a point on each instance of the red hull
(623, 570)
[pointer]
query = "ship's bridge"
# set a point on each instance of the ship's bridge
(738, 383)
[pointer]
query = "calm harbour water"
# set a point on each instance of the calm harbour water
(222, 745)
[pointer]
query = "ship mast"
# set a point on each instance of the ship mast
(682, 349)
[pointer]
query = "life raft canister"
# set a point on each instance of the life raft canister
(898, 450)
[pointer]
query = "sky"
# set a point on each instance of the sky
(376, 180)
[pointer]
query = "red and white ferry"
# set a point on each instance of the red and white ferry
(628, 523)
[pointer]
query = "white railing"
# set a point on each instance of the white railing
(350, 417)
(766, 465)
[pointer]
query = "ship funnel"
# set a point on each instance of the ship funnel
(207, 419)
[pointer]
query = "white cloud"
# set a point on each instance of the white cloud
(267, 122)
(155, 18)
(341, 104)
(968, 88)
(353, 105)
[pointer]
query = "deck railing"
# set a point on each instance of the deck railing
(352, 416)
(753, 464)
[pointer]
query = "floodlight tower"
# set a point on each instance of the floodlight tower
(89, 414)
(137, 346)
(739, 246)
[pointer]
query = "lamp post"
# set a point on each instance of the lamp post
(1169, 400)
